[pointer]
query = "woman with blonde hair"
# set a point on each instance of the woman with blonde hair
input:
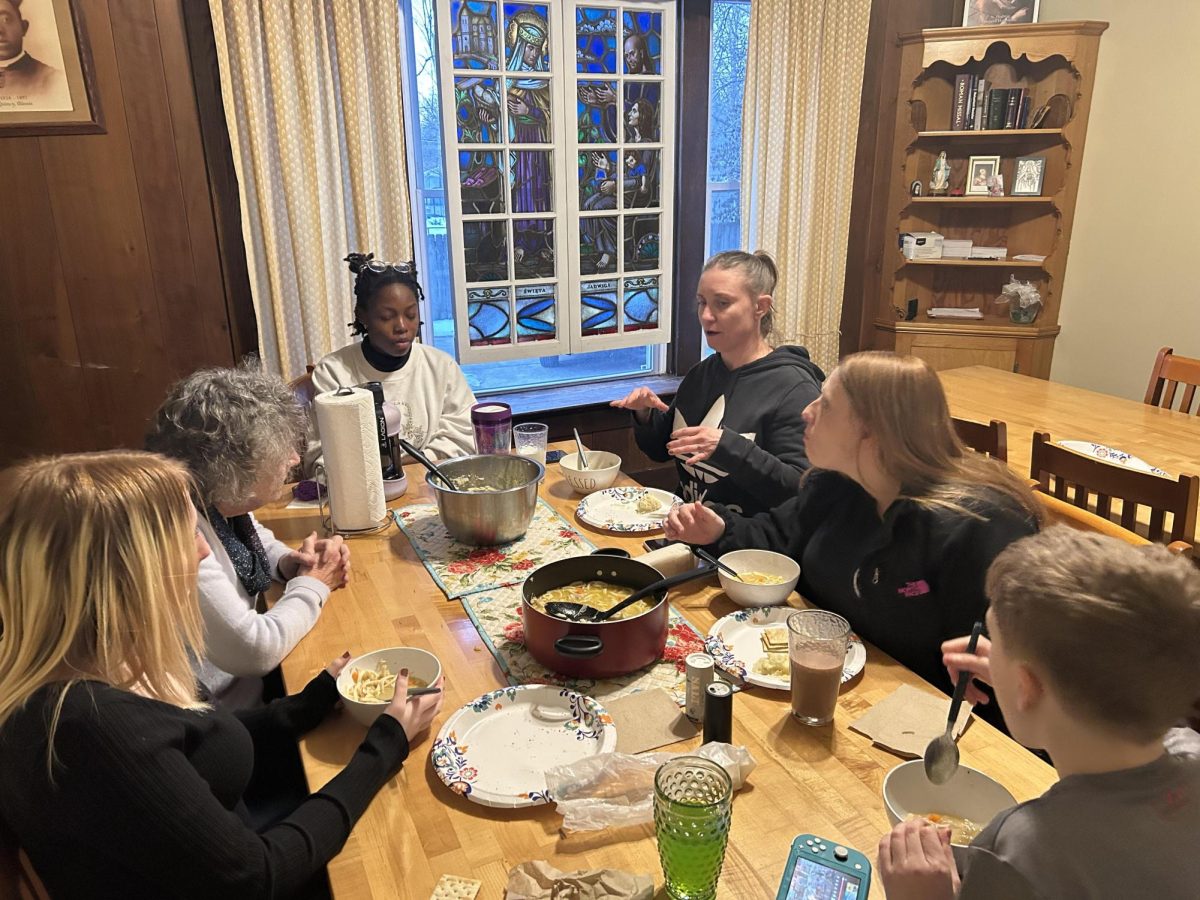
(896, 524)
(114, 777)
(734, 428)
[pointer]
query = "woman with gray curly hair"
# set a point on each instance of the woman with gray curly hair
(238, 431)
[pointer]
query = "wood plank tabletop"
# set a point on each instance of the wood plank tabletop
(1164, 438)
(826, 781)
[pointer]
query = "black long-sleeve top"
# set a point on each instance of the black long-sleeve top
(145, 799)
(760, 457)
(905, 581)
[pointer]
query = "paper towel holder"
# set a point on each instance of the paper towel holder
(326, 512)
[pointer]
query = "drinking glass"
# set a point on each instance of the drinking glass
(817, 645)
(530, 439)
(692, 806)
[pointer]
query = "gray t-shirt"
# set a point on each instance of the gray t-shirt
(1119, 835)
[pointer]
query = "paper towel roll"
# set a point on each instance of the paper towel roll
(350, 443)
(670, 560)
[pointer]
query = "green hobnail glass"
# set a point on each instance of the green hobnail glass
(692, 808)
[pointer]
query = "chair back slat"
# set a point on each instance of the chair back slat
(1053, 467)
(1169, 372)
(991, 439)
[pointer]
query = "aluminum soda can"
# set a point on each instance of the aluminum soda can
(700, 674)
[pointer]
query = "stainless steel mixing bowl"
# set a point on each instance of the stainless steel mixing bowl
(496, 516)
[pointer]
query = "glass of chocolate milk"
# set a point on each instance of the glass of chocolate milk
(817, 644)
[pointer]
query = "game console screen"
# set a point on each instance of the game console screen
(813, 881)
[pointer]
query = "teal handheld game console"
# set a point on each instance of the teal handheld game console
(819, 869)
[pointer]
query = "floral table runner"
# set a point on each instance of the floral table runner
(461, 569)
(496, 614)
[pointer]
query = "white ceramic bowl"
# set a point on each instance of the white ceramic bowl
(603, 469)
(969, 794)
(420, 664)
(767, 562)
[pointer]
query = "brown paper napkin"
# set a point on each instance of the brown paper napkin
(539, 880)
(906, 720)
(646, 720)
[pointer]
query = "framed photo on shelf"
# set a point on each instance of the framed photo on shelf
(47, 83)
(1000, 12)
(981, 173)
(1028, 174)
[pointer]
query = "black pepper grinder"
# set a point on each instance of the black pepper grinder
(718, 713)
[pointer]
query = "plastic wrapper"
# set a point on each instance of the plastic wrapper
(612, 790)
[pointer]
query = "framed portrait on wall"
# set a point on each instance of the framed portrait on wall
(1000, 12)
(47, 83)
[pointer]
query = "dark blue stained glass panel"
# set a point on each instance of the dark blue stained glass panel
(535, 313)
(640, 303)
(526, 37)
(598, 179)
(474, 37)
(533, 248)
(530, 180)
(596, 40)
(488, 316)
(529, 110)
(641, 111)
(641, 42)
(641, 243)
(642, 179)
(598, 307)
(481, 181)
(597, 111)
(485, 250)
(477, 109)
(597, 245)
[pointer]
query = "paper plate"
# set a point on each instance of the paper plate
(615, 509)
(734, 644)
(496, 749)
(1112, 455)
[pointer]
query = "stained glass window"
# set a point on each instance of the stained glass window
(535, 313)
(641, 49)
(598, 301)
(641, 183)
(529, 110)
(596, 39)
(533, 248)
(488, 316)
(529, 174)
(526, 37)
(641, 242)
(597, 179)
(641, 112)
(485, 248)
(640, 302)
(481, 181)
(477, 106)
(596, 109)
(474, 40)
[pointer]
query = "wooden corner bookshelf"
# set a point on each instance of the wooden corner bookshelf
(1050, 60)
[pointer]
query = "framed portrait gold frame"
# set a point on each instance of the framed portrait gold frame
(57, 94)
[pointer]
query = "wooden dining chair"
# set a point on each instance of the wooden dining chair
(1060, 512)
(303, 388)
(1073, 477)
(991, 438)
(1170, 372)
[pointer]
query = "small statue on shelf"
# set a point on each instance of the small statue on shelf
(940, 182)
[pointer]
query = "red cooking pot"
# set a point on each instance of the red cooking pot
(598, 649)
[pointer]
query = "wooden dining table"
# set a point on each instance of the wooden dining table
(821, 780)
(1164, 438)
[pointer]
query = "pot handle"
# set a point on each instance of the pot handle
(580, 646)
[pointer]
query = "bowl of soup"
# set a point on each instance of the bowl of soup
(766, 578)
(965, 803)
(367, 683)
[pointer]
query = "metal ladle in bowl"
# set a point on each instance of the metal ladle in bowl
(581, 612)
(941, 755)
(427, 463)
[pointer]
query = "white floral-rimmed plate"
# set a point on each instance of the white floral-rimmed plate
(1112, 455)
(615, 509)
(496, 749)
(735, 644)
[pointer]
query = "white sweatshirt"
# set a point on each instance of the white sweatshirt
(242, 644)
(430, 391)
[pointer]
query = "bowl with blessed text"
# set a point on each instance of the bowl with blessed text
(367, 683)
(602, 470)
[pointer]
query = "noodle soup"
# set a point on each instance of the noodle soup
(598, 594)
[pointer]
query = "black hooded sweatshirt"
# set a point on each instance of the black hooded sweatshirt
(759, 461)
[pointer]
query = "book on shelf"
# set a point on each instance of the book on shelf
(996, 105)
(981, 92)
(962, 85)
(1023, 112)
(1011, 106)
(969, 117)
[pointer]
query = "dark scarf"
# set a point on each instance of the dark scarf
(240, 540)
(383, 361)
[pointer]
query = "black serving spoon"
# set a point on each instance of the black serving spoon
(701, 553)
(425, 461)
(581, 612)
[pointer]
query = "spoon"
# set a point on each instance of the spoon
(424, 460)
(581, 612)
(941, 756)
(579, 449)
(703, 554)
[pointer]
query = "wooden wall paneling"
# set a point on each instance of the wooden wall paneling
(102, 244)
(193, 338)
(46, 392)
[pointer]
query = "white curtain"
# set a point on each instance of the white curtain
(800, 121)
(313, 104)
